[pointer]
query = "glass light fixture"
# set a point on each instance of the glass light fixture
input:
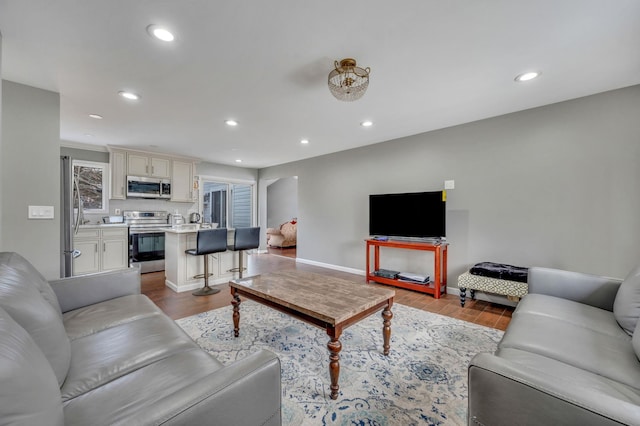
(129, 95)
(160, 33)
(527, 76)
(348, 82)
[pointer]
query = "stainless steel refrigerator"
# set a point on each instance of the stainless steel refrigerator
(69, 201)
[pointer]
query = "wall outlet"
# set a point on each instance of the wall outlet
(40, 212)
(449, 184)
(117, 212)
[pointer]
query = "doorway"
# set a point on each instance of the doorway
(282, 208)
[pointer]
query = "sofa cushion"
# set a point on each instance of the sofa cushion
(24, 302)
(626, 306)
(14, 260)
(29, 392)
(107, 355)
(568, 311)
(601, 353)
(120, 400)
(95, 318)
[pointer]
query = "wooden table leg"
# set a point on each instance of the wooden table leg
(236, 312)
(386, 328)
(334, 347)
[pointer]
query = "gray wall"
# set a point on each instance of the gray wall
(282, 201)
(553, 186)
(30, 174)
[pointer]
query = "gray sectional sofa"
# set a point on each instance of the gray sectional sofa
(91, 350)
(568, 357)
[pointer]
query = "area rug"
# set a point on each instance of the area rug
(423, 381)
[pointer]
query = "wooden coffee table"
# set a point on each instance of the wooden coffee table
(324, 301)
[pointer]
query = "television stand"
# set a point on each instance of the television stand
(436, 287)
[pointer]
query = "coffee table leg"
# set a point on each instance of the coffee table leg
(236, 313)
(386, 328)
(334, 347)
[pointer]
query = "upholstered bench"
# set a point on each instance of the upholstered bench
(494, 278)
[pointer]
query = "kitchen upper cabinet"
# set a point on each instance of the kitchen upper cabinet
(118, 163)
(182, 181)
(146, 165)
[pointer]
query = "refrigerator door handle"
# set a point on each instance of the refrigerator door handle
(80, 215)
(74, 253)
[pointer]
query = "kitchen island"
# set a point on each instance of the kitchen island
(180, 268)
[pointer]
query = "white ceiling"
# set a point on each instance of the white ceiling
(433, 64)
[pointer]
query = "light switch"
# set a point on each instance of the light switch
(449, 184)
(40, 212)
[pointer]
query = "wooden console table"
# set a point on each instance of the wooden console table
(436, 287)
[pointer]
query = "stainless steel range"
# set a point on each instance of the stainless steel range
(146, 238)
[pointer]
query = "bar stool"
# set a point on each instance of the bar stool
(208, 241)
(244, 239)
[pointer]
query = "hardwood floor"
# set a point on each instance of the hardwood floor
(180, 305)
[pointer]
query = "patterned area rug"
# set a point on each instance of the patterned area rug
(422, 381)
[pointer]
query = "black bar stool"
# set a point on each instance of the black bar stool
(244, 239)
(208, 241)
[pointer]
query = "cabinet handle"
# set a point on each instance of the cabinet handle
(96, 248)
(104, 246)
(153, 170)
(146, 169)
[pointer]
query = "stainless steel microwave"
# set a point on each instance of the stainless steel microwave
(147, 187)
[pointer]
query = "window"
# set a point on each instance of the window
(92, 178)
(229, 204)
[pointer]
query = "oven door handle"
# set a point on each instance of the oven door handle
(145, 231)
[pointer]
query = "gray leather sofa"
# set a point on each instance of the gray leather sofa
(91, 350)
(568, 357)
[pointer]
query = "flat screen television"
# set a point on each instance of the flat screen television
(413, 215)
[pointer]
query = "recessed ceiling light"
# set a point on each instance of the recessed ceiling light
(231, 123)
(528, 76)
(160, 33)
(89, 135)
(96, 116)
(367, 123)
(304, 141)
(129, 95)
(238, 161)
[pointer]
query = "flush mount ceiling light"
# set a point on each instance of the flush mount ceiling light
(304, 141)
(160, 33)
(231, 123)
(348, 82)
(527, 76)
(129, 95)
(238, 161)
(367, 123)
(96, 116)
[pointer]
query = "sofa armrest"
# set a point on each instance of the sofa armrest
(84, 290)
(502, 392)
(246, 392)
(589, 289)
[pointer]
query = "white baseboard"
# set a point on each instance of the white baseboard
(330, 266)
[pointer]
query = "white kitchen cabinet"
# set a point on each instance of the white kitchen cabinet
(140, 164)
(182, 181)
(103, 249)
(181, 268)
(118, 165)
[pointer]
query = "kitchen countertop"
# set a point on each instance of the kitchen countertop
(104, 225)
(184, 229)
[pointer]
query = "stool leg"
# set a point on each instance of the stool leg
(206, 290)
(473, 294)
(240, 263)
(463, 294)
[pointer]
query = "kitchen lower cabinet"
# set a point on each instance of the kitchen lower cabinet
(103, 249)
